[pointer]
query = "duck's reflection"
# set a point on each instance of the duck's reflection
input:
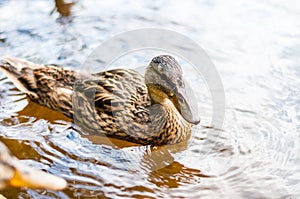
(174, 175)
(64, 8)
(165, 171)
(41, 112)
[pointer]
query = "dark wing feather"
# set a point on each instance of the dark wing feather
(120, 101)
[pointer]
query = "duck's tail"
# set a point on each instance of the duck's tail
(46, 85)
(21, 73)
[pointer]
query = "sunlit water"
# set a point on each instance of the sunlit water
(255, 47)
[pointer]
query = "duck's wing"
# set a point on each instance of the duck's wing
(50, 86)
(15, 173)
(120, 101)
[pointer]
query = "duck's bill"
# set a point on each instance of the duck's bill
(26, 176)
(187, 106)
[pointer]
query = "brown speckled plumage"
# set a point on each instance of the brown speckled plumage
(118, 103)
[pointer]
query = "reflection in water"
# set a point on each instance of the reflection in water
(175, 175)
(256, 154)
(2, 39)
(41, 112)
(64, 8)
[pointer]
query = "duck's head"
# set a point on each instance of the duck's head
(164, 79)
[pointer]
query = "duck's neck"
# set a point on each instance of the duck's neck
(167, 125)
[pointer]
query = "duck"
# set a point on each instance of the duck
(154, 109)
(14, 173)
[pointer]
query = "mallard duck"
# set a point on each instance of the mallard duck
(15, 173)
(118, 103)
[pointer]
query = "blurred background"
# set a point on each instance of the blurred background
(255, 45)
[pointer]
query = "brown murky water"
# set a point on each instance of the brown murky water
(254, 45)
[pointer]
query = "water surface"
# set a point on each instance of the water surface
(255, 47)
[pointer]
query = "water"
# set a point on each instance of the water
(255, 47)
